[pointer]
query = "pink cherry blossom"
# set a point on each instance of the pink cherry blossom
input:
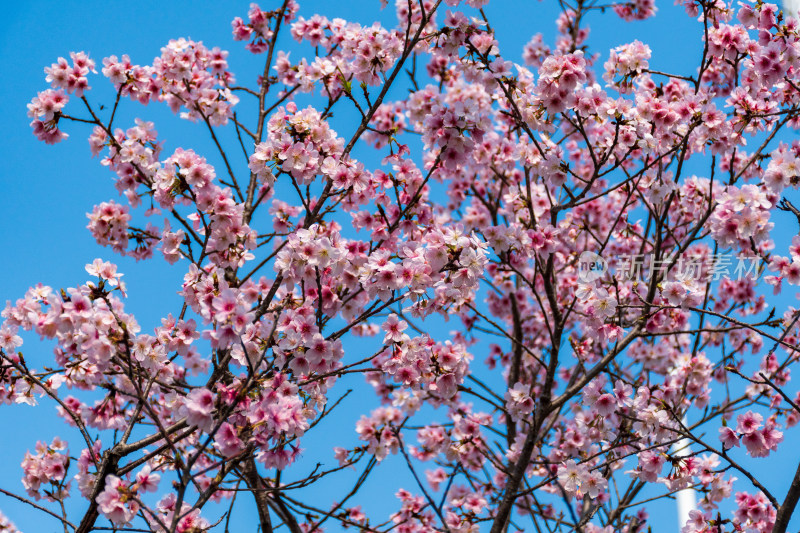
(532, 281)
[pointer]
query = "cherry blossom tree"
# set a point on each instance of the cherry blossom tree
(600, 237)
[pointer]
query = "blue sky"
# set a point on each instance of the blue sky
(46, 190)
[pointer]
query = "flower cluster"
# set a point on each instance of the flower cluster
(578, 480)
(742, 217)
(108, 223)
(559, 76)
(257, 28)
(758, 441)
(45, 471)
(87, 322)
(366, 52)
(299, 143)
(191, 76)
(421, 363)
(473, 192)
(70, 78)
(186, 76)
(626, 62)
(189, 520)
(184, 178)
(6, 525)
(378, 431)
(45, 110)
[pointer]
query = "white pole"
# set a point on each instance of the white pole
(686, 498)
(791, 7)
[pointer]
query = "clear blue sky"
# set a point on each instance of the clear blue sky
(46, 190)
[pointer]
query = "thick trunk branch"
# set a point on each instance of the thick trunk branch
(253, 481)
(108, 466)
(789, 503)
